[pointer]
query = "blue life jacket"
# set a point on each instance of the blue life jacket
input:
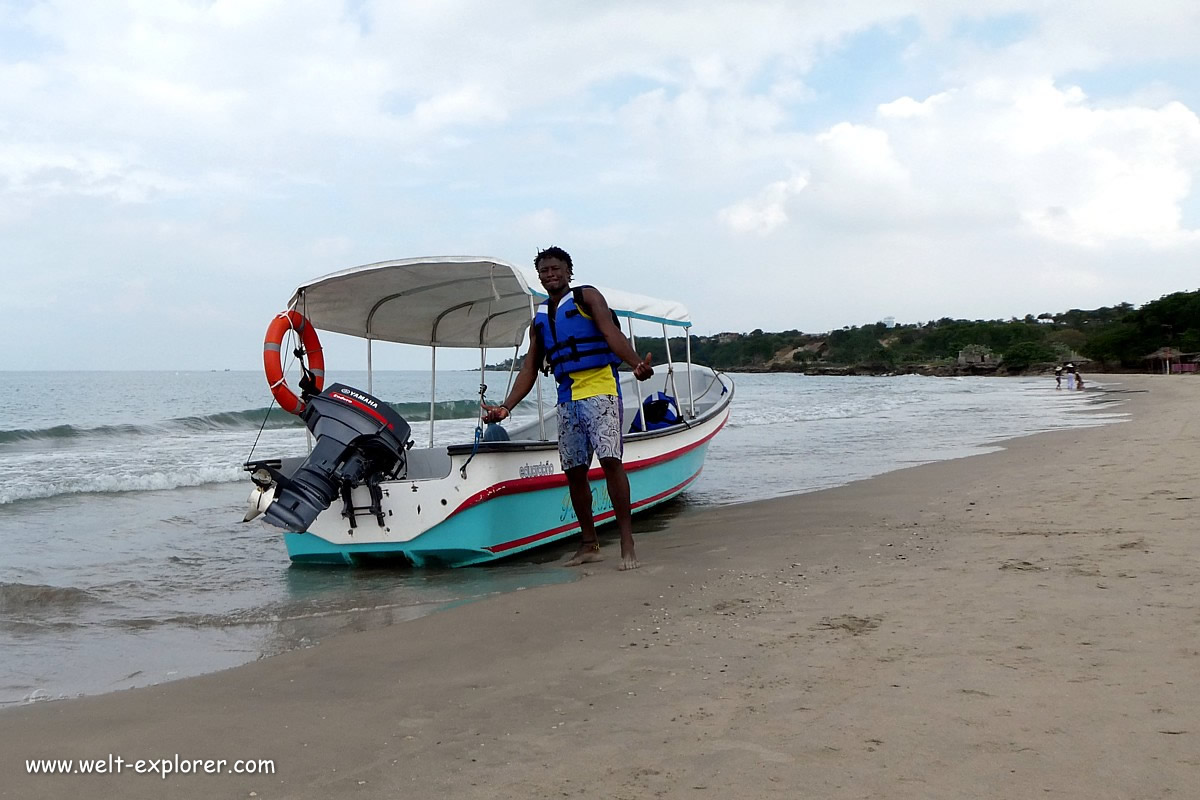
(659, 411)
(571, 341)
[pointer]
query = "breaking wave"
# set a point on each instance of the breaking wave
(249, 420)
(111, 484)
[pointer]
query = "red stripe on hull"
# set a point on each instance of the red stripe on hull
(551, 481)
(599, 518)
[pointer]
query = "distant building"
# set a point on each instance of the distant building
(889, 322)
(1168, 360)
(727, 337)
(976, 354)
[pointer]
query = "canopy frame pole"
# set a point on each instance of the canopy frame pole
(303, 302)
(370, 373)
(512, 365)
(637, 385)
(670, 364)
(483, 339)
(432, 391)
(482, 379)
(687, 335)
(537, 381)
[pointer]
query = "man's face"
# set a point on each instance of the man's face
(554, 274)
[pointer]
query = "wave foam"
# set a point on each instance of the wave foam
(252, 419)
(112, 484)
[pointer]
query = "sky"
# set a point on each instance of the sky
(170, 171)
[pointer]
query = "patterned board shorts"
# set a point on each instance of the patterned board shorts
(591, 425)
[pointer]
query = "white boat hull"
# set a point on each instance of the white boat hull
(514, 497)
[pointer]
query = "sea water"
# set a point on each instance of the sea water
(124, 561)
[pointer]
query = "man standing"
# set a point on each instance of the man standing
(576, 335)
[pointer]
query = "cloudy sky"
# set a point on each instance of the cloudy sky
(170, 170)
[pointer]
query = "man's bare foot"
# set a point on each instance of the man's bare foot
(588, 553)
(629, 561)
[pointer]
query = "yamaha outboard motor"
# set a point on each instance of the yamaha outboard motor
(360, 440)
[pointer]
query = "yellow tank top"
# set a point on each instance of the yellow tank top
(593, 382)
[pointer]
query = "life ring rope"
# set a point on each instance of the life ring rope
(310, 349)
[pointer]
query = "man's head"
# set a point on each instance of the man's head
(558, 253)
(554, 269)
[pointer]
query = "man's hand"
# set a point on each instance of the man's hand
(494, 413)
(643, 370)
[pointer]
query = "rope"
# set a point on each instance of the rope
(282, 381)
(474, 449)
(266, 417)
(478, 432)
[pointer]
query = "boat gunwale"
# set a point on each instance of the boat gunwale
(521, 445)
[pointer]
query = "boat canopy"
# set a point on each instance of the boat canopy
(447, 301)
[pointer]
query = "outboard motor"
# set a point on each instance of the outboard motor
(359, 440)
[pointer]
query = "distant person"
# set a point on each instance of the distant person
(1070, 370)
(1058, 377)
(576, 334)
(1079, 380)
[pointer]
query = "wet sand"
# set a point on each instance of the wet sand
(1012, 625)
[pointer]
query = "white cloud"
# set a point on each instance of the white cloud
(1030, 153)
(466, 105)
(862, 155)
(764, 213)
(908, 107)
(301, 137)
(47, 171)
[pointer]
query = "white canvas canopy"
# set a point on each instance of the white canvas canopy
(447, 301)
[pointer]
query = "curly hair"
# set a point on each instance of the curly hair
(555, 252)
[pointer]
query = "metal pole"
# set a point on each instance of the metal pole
(670, 364)
(537, 381)
(432, 392)
(482, 380)
(512, 365)
(687, 335)
(370, 374)
(637, 385)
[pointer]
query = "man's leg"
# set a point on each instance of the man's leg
(575, 455)
(581, 501)
(618, 492)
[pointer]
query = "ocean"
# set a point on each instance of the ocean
(125, 561)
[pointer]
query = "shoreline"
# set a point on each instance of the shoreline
(996, 625)
(142, 623)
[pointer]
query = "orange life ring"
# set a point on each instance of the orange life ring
(310, 348)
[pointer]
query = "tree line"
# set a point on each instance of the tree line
(1119, 336)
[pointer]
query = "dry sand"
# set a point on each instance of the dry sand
(1013, 625)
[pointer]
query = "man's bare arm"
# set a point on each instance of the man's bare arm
(526, 377)
(598, 308)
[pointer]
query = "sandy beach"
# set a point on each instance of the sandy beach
(1012, 625)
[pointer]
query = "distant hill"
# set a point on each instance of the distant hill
(1112, 338)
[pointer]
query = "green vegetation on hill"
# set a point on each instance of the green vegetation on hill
(1112, 337)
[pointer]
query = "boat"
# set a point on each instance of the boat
(367, 492)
